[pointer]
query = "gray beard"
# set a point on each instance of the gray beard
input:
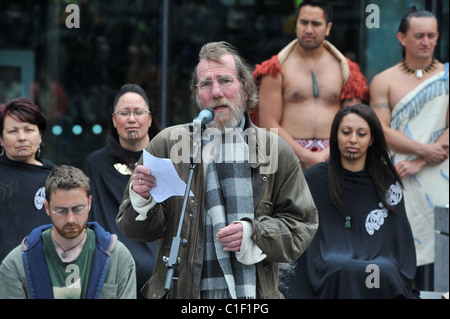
(237, 112)
(232, 122)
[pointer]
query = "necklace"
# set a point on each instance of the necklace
(419, 72)
(313, 74)
(64, 254)
(348, 224)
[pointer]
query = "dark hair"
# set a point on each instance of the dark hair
(67, 178)
(378, 161)
(214, 51)
(24, 110)
(406, 20)
(324, 5)
(134, 88)
(413, 13)
(122, 155)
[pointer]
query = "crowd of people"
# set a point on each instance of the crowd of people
(349, 182)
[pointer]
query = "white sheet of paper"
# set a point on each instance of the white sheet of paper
(168, 183)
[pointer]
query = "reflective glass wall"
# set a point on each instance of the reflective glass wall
(73, 73)
(379, 47)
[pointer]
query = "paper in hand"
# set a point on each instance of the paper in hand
(168, 183)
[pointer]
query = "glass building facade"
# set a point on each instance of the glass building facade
(71, 57)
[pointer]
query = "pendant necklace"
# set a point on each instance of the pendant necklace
(419, 72)
(313, 75)
(64, 254)
(348, 224)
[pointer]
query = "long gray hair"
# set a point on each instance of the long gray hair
(214, 51)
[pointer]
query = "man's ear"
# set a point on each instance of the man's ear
(401, 38)
(90, 202)
(329, 25)
(47, 207)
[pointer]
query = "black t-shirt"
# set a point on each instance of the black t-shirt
(374, 259)
(22, 195)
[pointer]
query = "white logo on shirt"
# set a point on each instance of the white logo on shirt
(376, 217)
(39, 198)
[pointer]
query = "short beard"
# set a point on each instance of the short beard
(237, 112)
(70, 235)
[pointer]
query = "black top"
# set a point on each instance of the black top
(374, 259)
(108, 181)
(22, 195)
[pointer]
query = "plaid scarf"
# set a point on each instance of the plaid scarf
(229, 198)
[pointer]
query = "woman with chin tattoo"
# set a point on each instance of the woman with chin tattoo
(364, 246)
(133, 124)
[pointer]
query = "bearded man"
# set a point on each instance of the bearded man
(246, 216)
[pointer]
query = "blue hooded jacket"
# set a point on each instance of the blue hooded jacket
(38, 279)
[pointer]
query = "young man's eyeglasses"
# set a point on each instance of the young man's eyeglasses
(64, 211)
(128, 113)
(223, 81)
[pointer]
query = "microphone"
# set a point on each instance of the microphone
(205, 116)
(196, 128)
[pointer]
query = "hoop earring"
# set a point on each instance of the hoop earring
(3, 151)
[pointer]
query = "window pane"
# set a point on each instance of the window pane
(79, 70)
(74, 73)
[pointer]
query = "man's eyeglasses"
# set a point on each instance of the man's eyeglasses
(63, 211)
(128, 113)
(223, 81)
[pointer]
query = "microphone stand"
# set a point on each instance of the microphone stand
(172, 262)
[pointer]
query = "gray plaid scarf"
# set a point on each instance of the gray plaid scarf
(229, 198)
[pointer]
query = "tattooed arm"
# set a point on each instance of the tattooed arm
(397, 141)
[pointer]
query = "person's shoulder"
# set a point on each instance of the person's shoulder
(382, 83)
(13, 257)
(47, 163)
(385, 75)
(270, 67)
(319, 170)
(95, 160)
(121, 247)
(319, 167)
(441, 67)
(121, 252)
(97, 153)
(168, 131)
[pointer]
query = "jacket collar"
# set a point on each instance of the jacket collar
(260, 133)
(38, 280)
(104, 239)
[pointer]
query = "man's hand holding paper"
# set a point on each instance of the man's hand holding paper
(158, 178)
(143, 181)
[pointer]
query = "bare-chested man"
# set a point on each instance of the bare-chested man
(316, 80)
(411, 100)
